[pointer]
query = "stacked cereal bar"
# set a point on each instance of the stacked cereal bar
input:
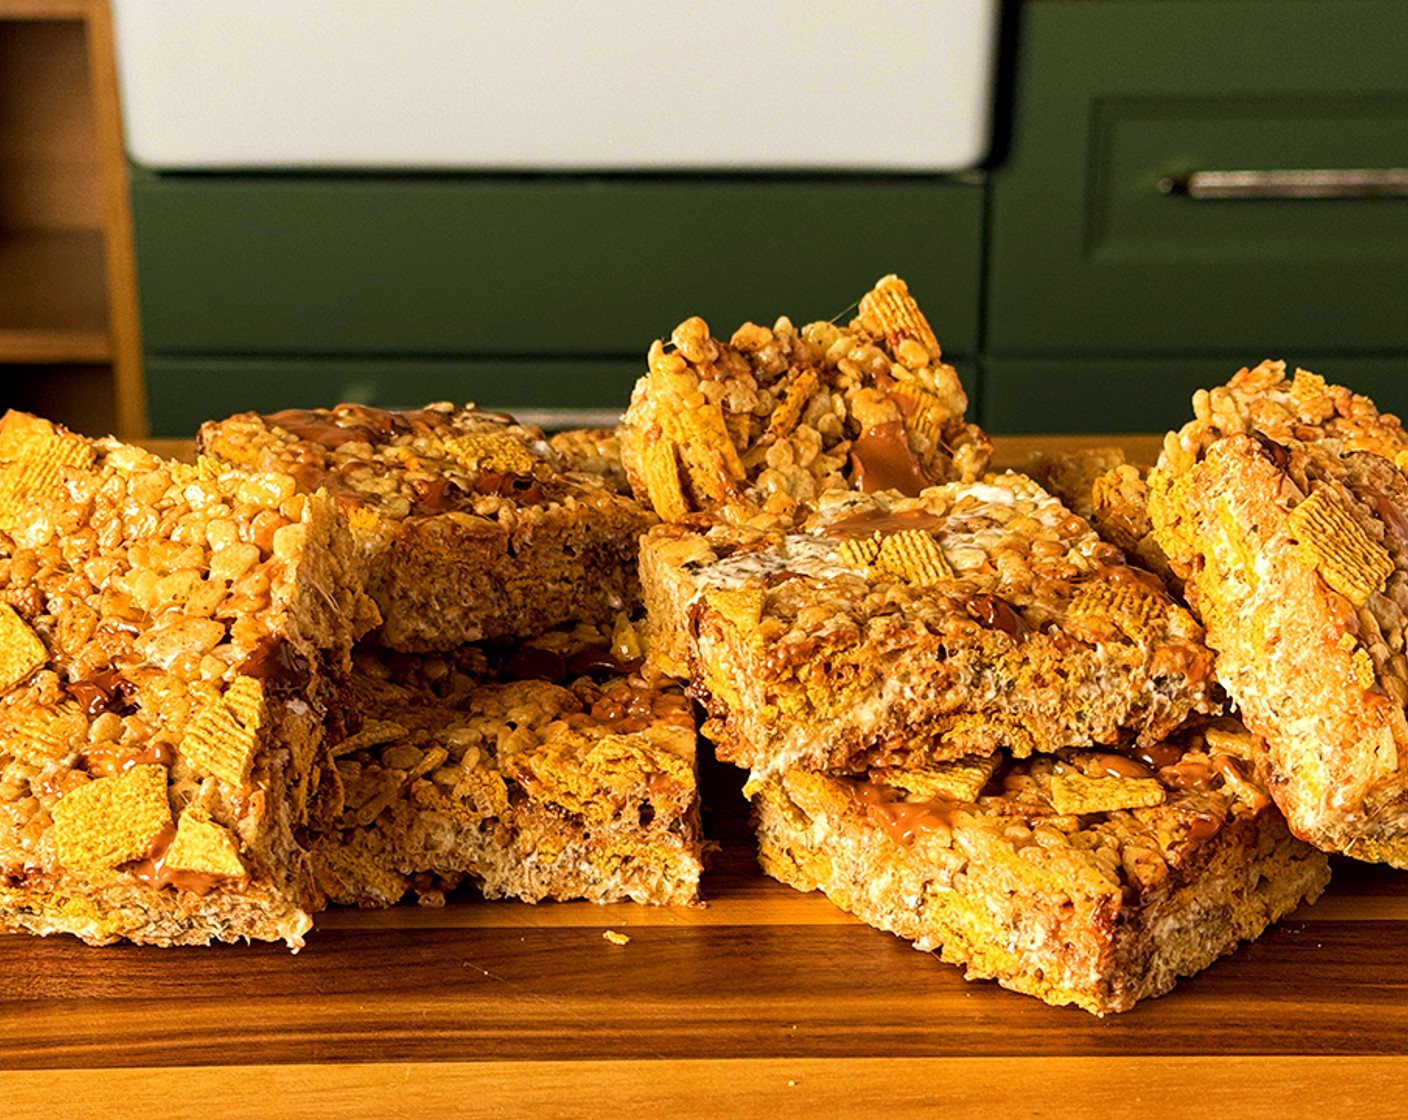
(173, 643)
(907, 657)
(1082, 877)
(560, 773)
(467, 525)
(903, 631)
(187, 753)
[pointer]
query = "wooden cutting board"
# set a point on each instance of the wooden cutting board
(764, 1002)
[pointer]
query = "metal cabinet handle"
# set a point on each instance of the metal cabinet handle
(1357, 182)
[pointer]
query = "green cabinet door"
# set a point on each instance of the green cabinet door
(1115, 103)
(558, 266)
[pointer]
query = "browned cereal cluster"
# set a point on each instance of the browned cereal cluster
(576, 783)
(756, 429)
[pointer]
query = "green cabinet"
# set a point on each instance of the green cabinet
(511, 291)
(1092, 253)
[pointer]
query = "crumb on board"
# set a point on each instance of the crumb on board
(616, 938)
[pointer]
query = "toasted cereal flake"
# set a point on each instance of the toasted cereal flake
(1341, 551)
(662, 479)
(222, 739)
(36, 734)
(1074, 794)
(360, 873)
(785, 418)
(915, 556)
(110, 821)
(21, 650)
(1137, 612)
(859, 552)
(1229, 737)
(374, 733)
(488, 451)
(924, 413)
(202, 845)
(742, 607)
(616, 938)
(35, 453)
(960, 780)
(898, 316)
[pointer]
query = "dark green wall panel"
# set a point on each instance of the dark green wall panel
(1148, 394)
(432, 266)
(1088, 255)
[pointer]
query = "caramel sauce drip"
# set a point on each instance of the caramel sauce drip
(1187, 774)
(108, 691)
(901, 821)
(284, 671)
(996, 613)
(1203, 827)
(1120, 766)
(872, 521)
(360, 424)
(624, 714)
(1156, 756)
(153, 871)
(881, 459)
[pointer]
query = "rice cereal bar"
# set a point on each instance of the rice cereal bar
(756, 428)
(581, 785)
(905, 631)
(466, 525)
(594, 450)
(1296, 557)
(172, 644)
(1081, 877)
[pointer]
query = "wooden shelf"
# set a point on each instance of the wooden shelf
(53, 297)
(69, 337)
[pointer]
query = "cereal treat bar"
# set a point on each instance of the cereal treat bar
(577, 783)
(594, 450)
(1081, 877)
(1113, 494)
(467, 528)
(1296, 557)
(757, 428)
(1303, 408)
(903, 631)
(173, 641)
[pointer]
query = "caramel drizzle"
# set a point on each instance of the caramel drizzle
(902, 821)
(153, 871)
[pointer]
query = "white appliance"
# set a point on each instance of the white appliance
(709, 85)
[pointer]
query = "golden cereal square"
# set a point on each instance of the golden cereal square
(203, 846)
(111, 820)
(222, 739)
(21, 650)
(1077, 794)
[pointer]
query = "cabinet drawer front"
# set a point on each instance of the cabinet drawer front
(1150, 394)
(433, 266)
(1117, 103)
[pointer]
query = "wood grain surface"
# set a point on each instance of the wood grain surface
(764, 1002)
